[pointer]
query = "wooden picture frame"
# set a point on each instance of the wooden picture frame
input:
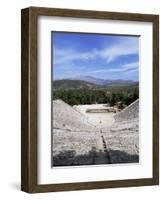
(29, 97)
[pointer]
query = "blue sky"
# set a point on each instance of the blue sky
(100, 56)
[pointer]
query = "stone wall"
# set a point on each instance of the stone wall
(66, 117)
(129, 113)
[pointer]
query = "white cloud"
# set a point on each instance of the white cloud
(66, 56)
(123, 48)
(129, 67)
(108, 54)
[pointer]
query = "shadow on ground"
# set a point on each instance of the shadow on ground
(93, 157)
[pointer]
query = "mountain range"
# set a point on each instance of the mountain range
(99, 81)
(90, 82)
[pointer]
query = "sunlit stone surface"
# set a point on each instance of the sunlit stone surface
(79, 139)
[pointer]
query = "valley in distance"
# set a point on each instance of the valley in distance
(90, 90)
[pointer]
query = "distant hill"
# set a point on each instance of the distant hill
(72, 84)
(99, 81)
(80, 84)
(90, 79)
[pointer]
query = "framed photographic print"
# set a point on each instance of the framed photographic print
(90, 100)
